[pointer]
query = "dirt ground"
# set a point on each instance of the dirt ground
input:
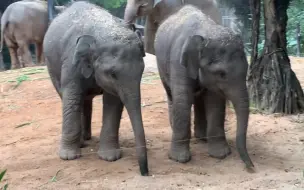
(30, 112)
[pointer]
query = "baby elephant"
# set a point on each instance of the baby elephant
(202, 63)
(90, 52)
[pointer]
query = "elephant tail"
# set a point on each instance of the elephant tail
(3, 25)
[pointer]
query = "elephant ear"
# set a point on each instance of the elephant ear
(156, 2)
(141, 44)
(191, 55)
(83, 56)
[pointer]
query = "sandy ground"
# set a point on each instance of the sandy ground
(30, 112)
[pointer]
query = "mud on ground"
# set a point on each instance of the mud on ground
(30, 112)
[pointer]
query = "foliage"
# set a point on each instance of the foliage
(295, 15)
(1, 177)
(113, 4)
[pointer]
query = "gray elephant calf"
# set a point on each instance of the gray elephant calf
(202, 63)
(90, 52)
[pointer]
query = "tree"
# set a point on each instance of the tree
(273, 86)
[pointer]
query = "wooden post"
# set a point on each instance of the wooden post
(298, 37)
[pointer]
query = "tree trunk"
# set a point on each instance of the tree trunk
(255, 7)
(273, 86)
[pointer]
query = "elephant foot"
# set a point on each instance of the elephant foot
(41, 63)
(69, 152)
(109, 153)
(180, 154)
(219, 150)
(82, 142)
(15, 67)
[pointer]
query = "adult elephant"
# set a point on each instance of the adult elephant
(157, 10)
(22, 23)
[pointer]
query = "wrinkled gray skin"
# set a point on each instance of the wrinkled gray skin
(89, 52)
(23, 23)
(157, 10)
(202, 63)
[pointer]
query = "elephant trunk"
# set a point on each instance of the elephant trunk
(130, 13)
(240, 101)
(132, 101)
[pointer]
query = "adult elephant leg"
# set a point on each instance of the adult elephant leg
(86, 117)
(109, 146)
(15, 64)
(150, 31)
(72, 101)
(200, 121)
(181, 120)
(26, 54)
(39, 53)
(215, 105)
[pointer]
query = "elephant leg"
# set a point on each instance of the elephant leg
(71, 125)
(20, 57)
(39, 53)
(200, 121)
(86, 117)
(26, 55)
(86, 120)
(109, 149)
(215, 111)
(15, 64)
(150, 31)
(181, 120)
(169, 99)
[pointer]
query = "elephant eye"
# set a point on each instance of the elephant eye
(221, 74)
(113, 73)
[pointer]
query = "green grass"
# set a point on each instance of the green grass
(20, 79)
(149, 79)
(1, 178)
(252, 108)
(26, 74)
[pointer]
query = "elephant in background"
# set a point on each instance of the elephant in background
(157, 10)
(22, 23)
(90, 52)
(202, 63)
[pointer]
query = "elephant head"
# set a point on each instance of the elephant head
(136, 8)
(117, 68)
(221, 66)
